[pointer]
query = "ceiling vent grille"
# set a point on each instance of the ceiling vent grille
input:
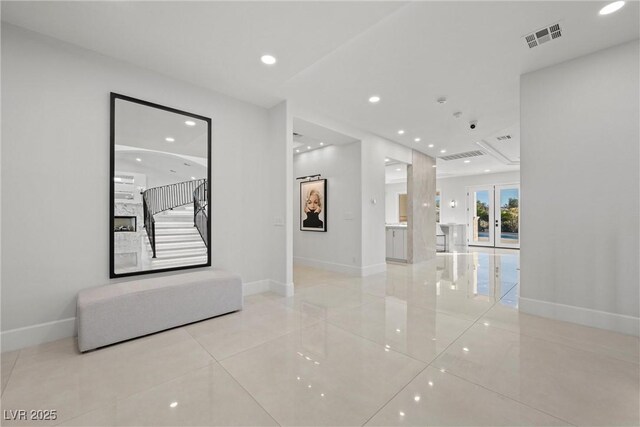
(543, 35)
(503, 137)
(462, 155)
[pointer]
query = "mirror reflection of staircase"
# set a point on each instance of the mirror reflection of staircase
(176, 223)
(178, 242)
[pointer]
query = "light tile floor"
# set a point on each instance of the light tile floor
(439, 343)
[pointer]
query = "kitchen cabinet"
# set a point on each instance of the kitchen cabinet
(396, 243)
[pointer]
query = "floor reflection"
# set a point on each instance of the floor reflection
(479, 274)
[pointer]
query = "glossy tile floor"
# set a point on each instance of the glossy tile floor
(441, 343)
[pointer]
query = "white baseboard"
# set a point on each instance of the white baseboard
(326, 265)
(354, 270)
(15, 339)
(584, 316)
(284, 289)
(373, 269)
(266, 285)
(257, 287)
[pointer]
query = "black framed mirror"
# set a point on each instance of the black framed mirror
(160, 188)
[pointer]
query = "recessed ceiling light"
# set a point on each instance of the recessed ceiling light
(416, 139)
(434, 166)
(297, 151)
(138, 159)
(400, 132)
(443, 151)
(398, 169)
(173, 404)
(611, 7)
(386, 160)
(467, 161)
(321, 144)
(268, 59)
(430, 145)
(169, 139)
(193, 177)
(308, 147)
(374, 99)
(487, 170)
(190, 123)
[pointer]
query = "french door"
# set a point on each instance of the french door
(494, 216)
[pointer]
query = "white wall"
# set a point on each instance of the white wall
(55, 116)
(337, 249)
(580, 184)
(280, 238)
(456, 189)
(392, 201)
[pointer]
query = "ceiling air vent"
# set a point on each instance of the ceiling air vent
(503, 137)
(462, 155)
(543, 35)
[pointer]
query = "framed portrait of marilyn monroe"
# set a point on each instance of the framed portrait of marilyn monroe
(313, 205)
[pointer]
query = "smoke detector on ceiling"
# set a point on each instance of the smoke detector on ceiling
(543, 35)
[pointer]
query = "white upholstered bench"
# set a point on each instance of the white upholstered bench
(121, 311)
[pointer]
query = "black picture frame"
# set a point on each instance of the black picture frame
(114, 97)
(313, 192)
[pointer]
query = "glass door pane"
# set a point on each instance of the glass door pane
(480, 209)
(508, 220)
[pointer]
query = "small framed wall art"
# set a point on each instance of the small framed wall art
(313, 205)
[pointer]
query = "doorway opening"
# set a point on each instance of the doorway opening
(494, 216)
(396, 210)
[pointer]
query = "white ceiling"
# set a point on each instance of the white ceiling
(211, 44)
(146, 127)
(159, 168)
(310, 136)
(333, 55)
